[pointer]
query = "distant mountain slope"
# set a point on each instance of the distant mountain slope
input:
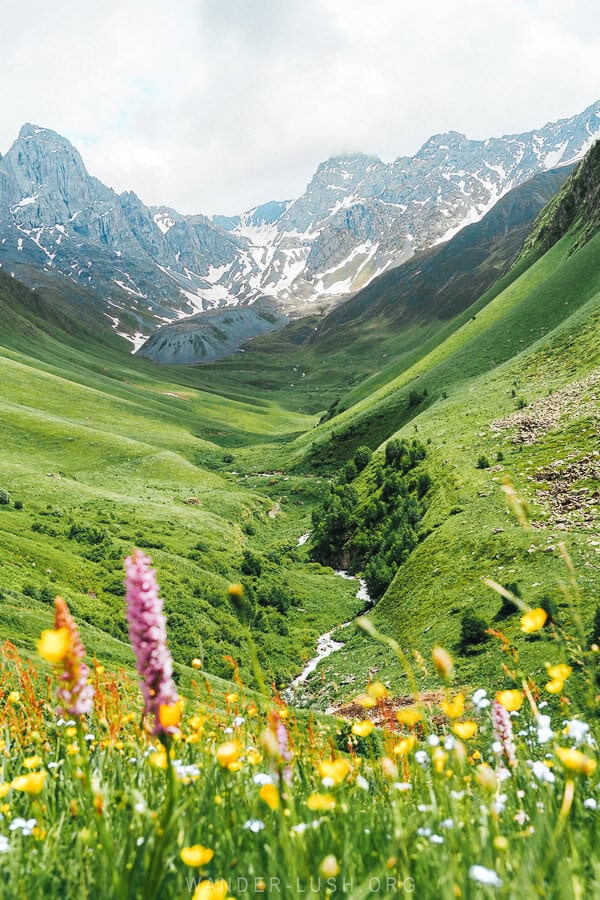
(211, 335)
(445, 280)
(577, 205)
(512, 394)
(148, 266)
(360, 216)
(533, 299)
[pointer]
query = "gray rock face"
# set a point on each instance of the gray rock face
(149, 266)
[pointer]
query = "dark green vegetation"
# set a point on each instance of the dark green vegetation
(375, 531)
(216, 469)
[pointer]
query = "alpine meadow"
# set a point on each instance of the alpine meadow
(300, 507)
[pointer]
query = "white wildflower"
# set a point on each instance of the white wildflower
(485, 876)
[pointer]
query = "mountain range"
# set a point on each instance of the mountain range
(145, 267)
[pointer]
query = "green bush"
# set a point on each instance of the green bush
(4, 497)
(472, 631)
(483, 462)
(18, 504)
(362, 457)
(251, 564)
(507, 607)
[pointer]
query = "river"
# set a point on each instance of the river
(325, 644)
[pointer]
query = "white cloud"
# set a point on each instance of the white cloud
(216, 105)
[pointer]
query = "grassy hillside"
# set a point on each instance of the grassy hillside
(523, 401)
(104, 453)
(216, 469)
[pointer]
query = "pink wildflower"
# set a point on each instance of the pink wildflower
(148, 635)
(73, 690)
(503, 731)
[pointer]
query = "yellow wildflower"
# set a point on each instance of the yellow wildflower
(4, 789)
(211, 890)
(159, 759)
(228, 753)
(196, 663)
(30, 784)
(32, 762)
(510, 700)
(408, 716)
(439, 758)
(53, 646)
(196, 856)
(321, 802)
(362, 728)
(330, 868)
(403, 747)
(465, 730)
(270, 795)
(533, 620)
(575, 760)
(455, 707)
(334, 769)
(169, 714)
(366, 701)
(254, 757)
(377, 690)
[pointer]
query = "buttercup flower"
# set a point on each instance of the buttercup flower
(576, 761)
(533, 620)
(196, 856)
(455, 707)
(510, 700)
(363, 728)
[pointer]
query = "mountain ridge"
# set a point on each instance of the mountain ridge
(149, 266)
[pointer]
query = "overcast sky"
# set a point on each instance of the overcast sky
(218, 105)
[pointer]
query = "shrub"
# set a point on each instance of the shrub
(349, 472)
(472, 630)
(423, 484)
(595, 635)
(251, 564)
(362, 458)
(415, 398)
(483, 462)
(550, 608)
(521, 403)
(508, 608)
(4, 497)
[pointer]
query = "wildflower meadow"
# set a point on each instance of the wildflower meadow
(111, 791)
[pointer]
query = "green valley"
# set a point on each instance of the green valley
(217, 469)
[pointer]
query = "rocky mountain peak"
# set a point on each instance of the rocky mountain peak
(357, 218)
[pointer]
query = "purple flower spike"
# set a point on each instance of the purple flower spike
(504, 732)
(148, 635)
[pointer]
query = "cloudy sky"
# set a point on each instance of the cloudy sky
(218, 105)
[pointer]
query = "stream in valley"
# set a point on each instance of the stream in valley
(325, 644)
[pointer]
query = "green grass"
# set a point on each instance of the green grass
(93, 436)
(474, 534)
